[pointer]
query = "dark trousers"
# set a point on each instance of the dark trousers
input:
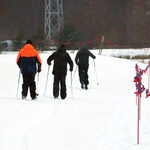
(59, 80)
(83, 74)
(28, 82)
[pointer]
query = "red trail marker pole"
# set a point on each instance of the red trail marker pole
(138, 118)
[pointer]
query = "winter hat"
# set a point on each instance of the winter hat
(62, 48)
(84, 45)
(29, 42)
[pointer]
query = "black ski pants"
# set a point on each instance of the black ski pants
(28, 82)
(59, 83)
(83, 74)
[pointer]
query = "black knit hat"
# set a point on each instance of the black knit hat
(62, 48)
(29, 42)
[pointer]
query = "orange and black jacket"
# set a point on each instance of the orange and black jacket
(28, 59)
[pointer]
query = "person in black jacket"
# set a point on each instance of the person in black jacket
(61, 58)
(82, 60)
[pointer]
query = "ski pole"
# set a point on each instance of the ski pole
(37, 82)
(96, 73)
(46, 79)
(74, 73)
(18, 84)
(71, 85)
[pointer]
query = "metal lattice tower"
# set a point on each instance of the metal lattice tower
(53, 18)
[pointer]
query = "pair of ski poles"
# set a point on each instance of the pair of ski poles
(95, 73)
(19, 83)
(47, 82)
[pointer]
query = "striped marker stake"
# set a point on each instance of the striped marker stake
(139, 90)
(138, 118)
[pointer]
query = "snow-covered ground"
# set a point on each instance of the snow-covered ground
(104, 117)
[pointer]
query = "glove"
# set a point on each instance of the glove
(48, 62)
(71, 69)
(77, 63)
(39, 69)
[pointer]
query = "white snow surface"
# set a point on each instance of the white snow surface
(104, 117)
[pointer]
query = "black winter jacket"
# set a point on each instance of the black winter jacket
(82, 57)
(61, 58)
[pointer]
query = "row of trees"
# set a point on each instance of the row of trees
(67, 34)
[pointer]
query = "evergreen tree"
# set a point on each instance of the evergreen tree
(69, 35)
(20, 39)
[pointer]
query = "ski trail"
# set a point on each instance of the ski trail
(23, 117)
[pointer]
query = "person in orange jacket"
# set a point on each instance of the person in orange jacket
(29, 63)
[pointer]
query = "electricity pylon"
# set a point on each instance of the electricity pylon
(53, 18)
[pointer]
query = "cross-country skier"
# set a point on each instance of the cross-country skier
(29, 63)
(82, 60)
(61, 58)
